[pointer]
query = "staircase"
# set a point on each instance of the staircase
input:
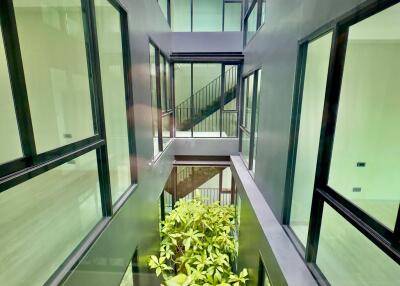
(205, 101)
(191, 178)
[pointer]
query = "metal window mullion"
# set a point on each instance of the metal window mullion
(259, 13)
(172, 86)
(223, 16)
(222, 98)
(191, 98)
(332, 95)
(17, 78)
(253, 119)
(97, 104)
(128, 95)
(238, 96)
(159, 111)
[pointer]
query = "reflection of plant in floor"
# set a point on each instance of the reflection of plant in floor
(198, 246)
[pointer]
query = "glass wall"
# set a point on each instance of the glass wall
(232, 16)
(10, 147)
(254, 18)
(249, 120)
(154, 106)
(343, 158)
(205, 15)
(164, 7)
(312, 104)
(346, 257)
(161, 99)
(181, 20)
(366, 148)
(51, 200)
(58, 86)
(42, 220)
(113, 87)
(199, 110)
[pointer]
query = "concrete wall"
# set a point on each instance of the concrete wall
(274, 48)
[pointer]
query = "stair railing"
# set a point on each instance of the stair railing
(205, 102)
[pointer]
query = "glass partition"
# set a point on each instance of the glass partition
(232, 16)
(207, 15)
(10, 146)
(45, 218)
(364, 166)
(58, 86)
(312, 103)
(113, 87)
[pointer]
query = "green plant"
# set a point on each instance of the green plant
(198, 246)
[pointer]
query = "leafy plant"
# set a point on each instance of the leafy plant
(198, 246)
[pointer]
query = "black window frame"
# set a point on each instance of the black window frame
(254, 4)
(223, 2)
(385, 239)
(243, 129)
(168, 111)
(224, 64)
(32, 164)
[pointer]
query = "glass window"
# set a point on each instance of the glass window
(206, 100)
(248, 101)
(183, 90)
(166, 131)
(232, 17)
(347, 257)
(164, 7)
(10, 146)
(309, 131)
(168, 86)
(207, 15)
(256, 123)
(263, 11)
(366, 150)
(113, 85)
(54, 56)
(163, 83)
(246, 147)
(154, 108)
(181, 15)
(251, 23)
(44, 219)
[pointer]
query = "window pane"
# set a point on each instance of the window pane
(251, 24)
(232, 17)
(206, 100)
(246, 147)
(10, 144)
(207, 15)
(166, 131)
(256, 123)
(163, 82)
(183, 90)
(309, 131)
(44, 219)
(230, 88)
(164, 7)
(248, 101)
(153, 81)
(54, 56)
(168, 79)
(366, 149)
(229, 124)
(113, 84)
(180, 15)
(347, 257)
(263, 11)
